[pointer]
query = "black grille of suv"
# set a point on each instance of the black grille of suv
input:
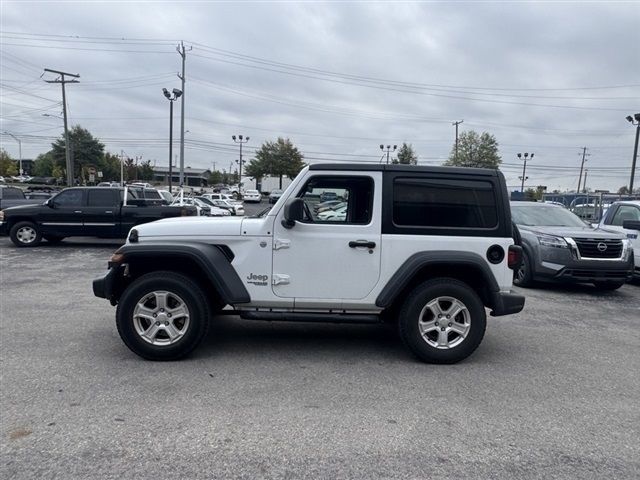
(594, 248)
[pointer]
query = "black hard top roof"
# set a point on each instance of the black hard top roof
(376, 167)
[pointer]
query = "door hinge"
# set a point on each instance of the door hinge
(280, 279)
(281, 243)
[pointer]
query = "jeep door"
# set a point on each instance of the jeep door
(330, 256)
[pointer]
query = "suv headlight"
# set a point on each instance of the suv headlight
(551, 241)
(1, 216)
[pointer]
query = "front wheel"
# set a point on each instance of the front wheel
(442, 321)
(162, 316)
(25, 234)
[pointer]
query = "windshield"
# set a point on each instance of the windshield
(545, 215)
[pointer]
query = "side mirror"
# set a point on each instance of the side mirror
(293, 211)
(631, 224)
(49, 203)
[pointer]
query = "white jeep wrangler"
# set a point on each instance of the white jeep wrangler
(427, 247)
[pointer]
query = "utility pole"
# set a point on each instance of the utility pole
(62, 81)
(183, 53)
(122, 168)
(456, 124)
(584, 155)
(584, 185)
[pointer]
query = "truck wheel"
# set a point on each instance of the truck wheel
(25, 234)
(523, 276)
(608, 286)
(442, 321)
(162, 316)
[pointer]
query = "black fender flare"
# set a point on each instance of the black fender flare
(416, 262)
(211, 260)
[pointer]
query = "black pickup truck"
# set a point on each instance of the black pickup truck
(84, 212)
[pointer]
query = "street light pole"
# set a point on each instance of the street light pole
(19, 150)
(388, 150)
(456, 124)
(176, 95)
(635, 149)
(524, 169)
(239, 140)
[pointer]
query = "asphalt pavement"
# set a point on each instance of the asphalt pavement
(551, 393)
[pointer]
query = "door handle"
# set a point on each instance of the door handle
(362, 243)
(77, 211)
(109, 211)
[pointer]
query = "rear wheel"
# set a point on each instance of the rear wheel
(25, 234)
(442, 321)
(608, 286)
(162, 316)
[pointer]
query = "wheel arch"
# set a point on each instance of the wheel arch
(467, 267)
(208, 265)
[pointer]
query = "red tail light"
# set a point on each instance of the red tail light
(514, 257)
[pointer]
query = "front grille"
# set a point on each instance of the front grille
(593, 248)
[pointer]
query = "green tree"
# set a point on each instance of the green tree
(145, 170)
(215, 177)
(280, 158)
(86, 150)
(406, 155)
(8, 166)
(475, 151)
(109, 165)
(623, 190)
(43, 165)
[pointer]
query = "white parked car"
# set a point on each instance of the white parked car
(252, 196)
(337, 215)
(221, 196)
(624, 217)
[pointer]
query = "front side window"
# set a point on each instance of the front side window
(68, 198)
(624, 213)
(342, 200)
(436, 202)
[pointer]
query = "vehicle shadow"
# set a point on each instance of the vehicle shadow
(250, 338)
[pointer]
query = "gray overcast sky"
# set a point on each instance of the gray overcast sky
(338, 79)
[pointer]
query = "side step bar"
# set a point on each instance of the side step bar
(312, 317)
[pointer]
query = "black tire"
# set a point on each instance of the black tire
(53, 239)
(416, 303)
(608, 286)
(179, 287)
(523, 276)
(25, 234)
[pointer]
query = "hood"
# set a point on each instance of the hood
(573, 232)
(191, 227)
(28, 205)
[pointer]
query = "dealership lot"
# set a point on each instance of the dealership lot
(551, 393)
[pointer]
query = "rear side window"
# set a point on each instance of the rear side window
(9, 192)
(101, 198)
(449, 203)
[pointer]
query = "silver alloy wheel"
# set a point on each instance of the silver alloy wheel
(26, 234)
(444, 322)
(161, 318)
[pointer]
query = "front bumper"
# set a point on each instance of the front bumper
(105, 285)
(506, 303)
(559, 265)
